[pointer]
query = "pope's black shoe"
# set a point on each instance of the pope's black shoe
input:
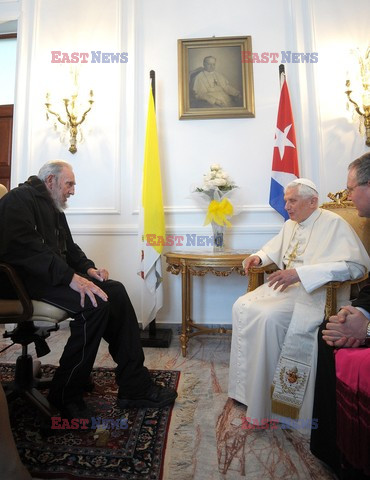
(154, 397)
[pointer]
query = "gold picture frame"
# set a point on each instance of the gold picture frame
(214, 82)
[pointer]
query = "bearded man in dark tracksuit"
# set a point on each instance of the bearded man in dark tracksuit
(36, 240)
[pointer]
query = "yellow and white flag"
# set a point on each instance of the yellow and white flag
(152, 227)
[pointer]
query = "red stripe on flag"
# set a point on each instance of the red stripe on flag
(285, 158)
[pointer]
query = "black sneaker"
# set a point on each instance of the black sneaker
(77, 409)
(154, 397)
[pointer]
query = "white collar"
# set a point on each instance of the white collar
(311, 219)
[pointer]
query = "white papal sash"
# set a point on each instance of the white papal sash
(295, 362)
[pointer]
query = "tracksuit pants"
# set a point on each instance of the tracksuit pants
(116, 322)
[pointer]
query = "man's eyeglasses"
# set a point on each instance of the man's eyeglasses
(350, 189)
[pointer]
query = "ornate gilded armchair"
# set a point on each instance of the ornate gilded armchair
(346, 209)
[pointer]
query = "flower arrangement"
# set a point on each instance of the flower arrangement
(216, 179)
(216, 189)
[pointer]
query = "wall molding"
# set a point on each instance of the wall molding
(179, 209)
(94, 211)
(132, 230)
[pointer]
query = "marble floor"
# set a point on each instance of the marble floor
(207, 440)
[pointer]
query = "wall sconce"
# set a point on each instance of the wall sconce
(358, 87)
(73, 118)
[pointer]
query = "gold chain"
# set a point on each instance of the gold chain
(293, 255)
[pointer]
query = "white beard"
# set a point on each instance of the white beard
(59, 204)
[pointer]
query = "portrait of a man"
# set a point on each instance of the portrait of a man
(210, 88)
(213, 80)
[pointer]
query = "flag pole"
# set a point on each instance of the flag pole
(152, 324)
(281, 74)
(152, 78)
(153, 336)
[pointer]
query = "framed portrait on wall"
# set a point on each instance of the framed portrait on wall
(214, 82)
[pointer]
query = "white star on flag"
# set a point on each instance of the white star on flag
(285, 157)
(282, 140)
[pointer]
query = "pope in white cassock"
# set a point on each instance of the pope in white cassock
(214, 88)
(274, 348)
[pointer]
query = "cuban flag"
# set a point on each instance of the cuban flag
(285, 159)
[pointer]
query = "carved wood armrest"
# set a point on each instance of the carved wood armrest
(331, 307)
(257, 275)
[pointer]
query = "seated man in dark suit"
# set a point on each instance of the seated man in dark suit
(349, 328)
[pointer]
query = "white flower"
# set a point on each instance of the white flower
(207, 186)
(216, 180)
(219, 182)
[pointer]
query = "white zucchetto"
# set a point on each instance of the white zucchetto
(306, 181)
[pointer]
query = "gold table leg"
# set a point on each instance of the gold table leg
(185, 308)
(191, 264)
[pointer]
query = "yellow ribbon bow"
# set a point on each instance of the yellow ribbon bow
(219, 211)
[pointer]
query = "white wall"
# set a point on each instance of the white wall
(104, 212)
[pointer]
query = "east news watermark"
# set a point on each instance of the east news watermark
(188, 240)
(93, 423)
(94, 56)
(285, 56)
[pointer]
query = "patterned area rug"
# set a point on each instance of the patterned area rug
(125, 444)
